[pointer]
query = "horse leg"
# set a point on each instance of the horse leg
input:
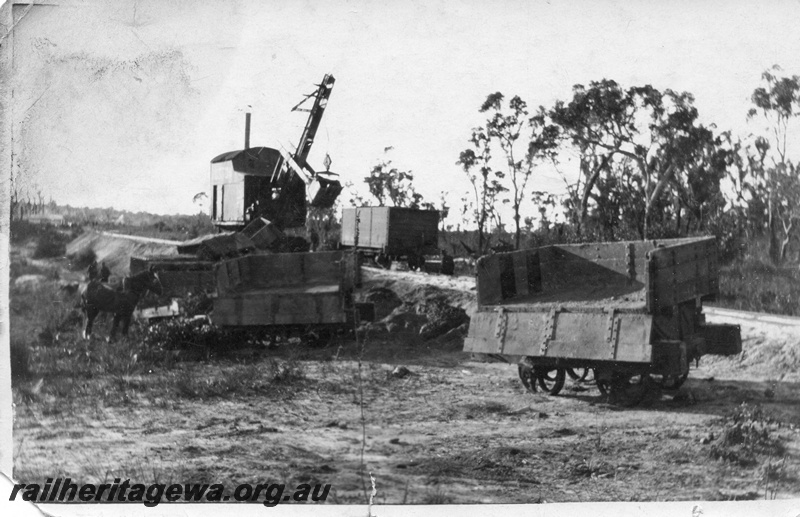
(91, 314)
(126, 323)
(114, 326)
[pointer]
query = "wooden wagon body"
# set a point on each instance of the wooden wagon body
(286, 289)
(620, 307)
(392, 233)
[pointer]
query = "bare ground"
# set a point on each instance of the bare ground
(453, 430)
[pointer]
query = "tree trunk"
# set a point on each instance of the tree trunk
(774, 251)
(787, 230)
(587, 189)
(652, 198)
(784, 248)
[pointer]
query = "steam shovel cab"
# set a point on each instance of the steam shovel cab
(273, 184)
(631, 312)
(249, 184)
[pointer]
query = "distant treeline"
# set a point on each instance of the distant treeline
(176, 227)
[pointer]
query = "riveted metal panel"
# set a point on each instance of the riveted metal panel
(574, 335)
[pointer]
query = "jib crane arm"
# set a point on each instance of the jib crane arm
(304, 172)
(314, 117)
(321, 190)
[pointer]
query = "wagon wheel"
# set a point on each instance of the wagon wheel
(383, 260)
(527, 377)
(416, 262)
(421, 264)
(604, 386)
(628, 390)
(317, 337)
(578, 374)
(673, 382)
(551, 381)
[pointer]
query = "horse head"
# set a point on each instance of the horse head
(92, 272)
(144, 281)
(155, 284)
(105, 273)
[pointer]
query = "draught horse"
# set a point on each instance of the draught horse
(99, 297)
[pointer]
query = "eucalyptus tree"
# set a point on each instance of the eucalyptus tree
(747, 172)
(655, 132)
(485, 182)
(391, 186)
(523, 140)
(778, 102)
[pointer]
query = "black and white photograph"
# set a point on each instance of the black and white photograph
(387, 256)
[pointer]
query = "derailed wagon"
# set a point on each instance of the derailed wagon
(630, 312)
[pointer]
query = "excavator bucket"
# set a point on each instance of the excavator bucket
(322, 192)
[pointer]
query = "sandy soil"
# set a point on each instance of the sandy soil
(116, 250)
(453, 430)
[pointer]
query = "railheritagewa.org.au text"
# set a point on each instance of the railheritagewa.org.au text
(64, 490)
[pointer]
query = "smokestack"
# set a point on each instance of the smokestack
(247, 131)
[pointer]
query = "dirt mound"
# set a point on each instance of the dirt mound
(769, 345)
(441, 317)
(414, 287)
(116, 250)
(411, 306)
(780, 356)
(384, 299)
(425, 313)
(404, 320)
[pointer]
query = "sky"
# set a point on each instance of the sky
(125, 103)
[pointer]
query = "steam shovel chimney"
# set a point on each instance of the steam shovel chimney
(247, 131)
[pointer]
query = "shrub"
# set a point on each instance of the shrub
(285, 372)
(747, 434)
(51, 244)
(197, 304)
(184, 334)
(82, 259)
(21, 231)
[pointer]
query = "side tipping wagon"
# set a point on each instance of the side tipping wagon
(289, 293)
(392, 233)
(628, 312)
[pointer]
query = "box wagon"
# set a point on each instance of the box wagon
(630, 312)
(391, 233)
